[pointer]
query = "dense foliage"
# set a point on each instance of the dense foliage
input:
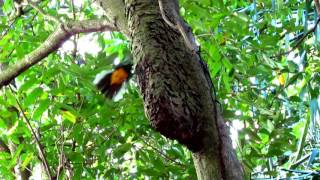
(262, 58)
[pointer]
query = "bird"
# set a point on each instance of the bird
(110, 83)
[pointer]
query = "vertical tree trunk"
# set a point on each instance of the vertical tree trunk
(176, 86)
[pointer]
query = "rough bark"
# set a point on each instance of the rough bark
(175, 86)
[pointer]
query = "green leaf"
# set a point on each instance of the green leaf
(42, 107)
(28, 85)
(294, 99)
(13, 128)
(7, 6)
(215, 68)
(293, 79)
(226, 82)
(69, 116)
(227, 63)
(33, 96)
(26, 161)
(122, 149)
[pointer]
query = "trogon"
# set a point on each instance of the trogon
(111, 82)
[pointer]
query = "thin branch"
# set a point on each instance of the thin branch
(317, 5)
(75, 38)
(40, 148)
(11, 21)
(162, 153)
(73, 10)
(75, 47)
(51, 44)
(302, 142)
(300, 40)
(178, 26)
(5, 32)
(164, 17)
(47, 16)
(62, 157)
(205, 34)
(301, 172)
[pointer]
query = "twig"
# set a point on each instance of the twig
(164, 17)
(163, 154)
(75, 47)
(62, 157)
(75, 44)
(301, 172)
(12, 20)
(47, 16)
(40, 148)
(206, 34)
(317, 5)
(299, 41)
(301, 160)
(5, 32)
(52, 43)
(73, 10)
(31, 25)
(178, 26)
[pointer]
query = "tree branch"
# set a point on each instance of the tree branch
(162, 153)
(52, 43)
(317, 5)
(299, 42)
(164, 17)
(40, 147)
(47, 16)
(179, 24)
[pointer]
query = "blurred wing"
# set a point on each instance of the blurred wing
(109, 83)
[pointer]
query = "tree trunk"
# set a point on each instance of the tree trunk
(175, 84)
